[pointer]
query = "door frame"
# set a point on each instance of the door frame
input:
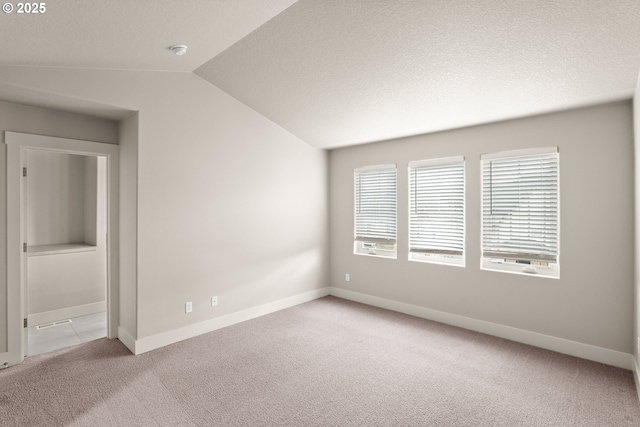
(17, 146)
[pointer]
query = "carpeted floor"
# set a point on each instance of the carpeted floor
(329, 362)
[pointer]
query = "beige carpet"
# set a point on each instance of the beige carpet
(329, 362)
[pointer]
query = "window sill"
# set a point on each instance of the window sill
(437, 260)
(377, 255)
(552, 272)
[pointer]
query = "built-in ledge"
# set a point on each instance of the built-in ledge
(62, 248)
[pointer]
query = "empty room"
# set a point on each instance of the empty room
(320, 213)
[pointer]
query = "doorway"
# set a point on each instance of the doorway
(22, 252)
(65, 215)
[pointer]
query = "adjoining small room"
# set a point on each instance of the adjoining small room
(66, 263)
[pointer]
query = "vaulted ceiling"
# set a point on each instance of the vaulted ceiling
(342, 72)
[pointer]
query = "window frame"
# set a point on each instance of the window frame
(374, 245)
(541, 265)
(437, 256)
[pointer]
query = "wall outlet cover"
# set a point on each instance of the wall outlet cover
(214, 301)
(188, 307)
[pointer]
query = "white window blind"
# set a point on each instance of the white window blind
(520, 205)
(375, 204)
(436, 207)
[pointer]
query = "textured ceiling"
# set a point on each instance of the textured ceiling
(122, 35)
(130, 35)
(341, 72)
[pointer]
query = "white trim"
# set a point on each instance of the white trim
(636, 374)
(561, 345)
(153, 342)
(374, 167)
(520, 153)
(431, 258)
(550, 272)
(487, 263)
(358, 249)
(17, 143)
(437, 259)
(126, 339)
(66, 313)
(435, 162)
(380, 219)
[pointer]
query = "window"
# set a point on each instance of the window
(520, 212)
(436, 210)
(375, 211)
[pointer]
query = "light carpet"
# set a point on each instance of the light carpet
(329, 362)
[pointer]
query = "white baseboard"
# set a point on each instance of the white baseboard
(636, 374)
(160, 340)
(66, 313)
(572, 348)
(126, 339)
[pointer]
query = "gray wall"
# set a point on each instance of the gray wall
(20, 118)
(128, 262)
(591, 303)
(229, 204)
(56, 198)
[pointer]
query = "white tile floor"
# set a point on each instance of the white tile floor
(81, 329)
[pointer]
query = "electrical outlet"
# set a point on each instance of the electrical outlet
(188, 307)
(638, 345)
(214, 301)
(347, 277)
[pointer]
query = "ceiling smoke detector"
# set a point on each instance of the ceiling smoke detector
(179, 49)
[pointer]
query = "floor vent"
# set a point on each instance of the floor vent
(51, 325)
